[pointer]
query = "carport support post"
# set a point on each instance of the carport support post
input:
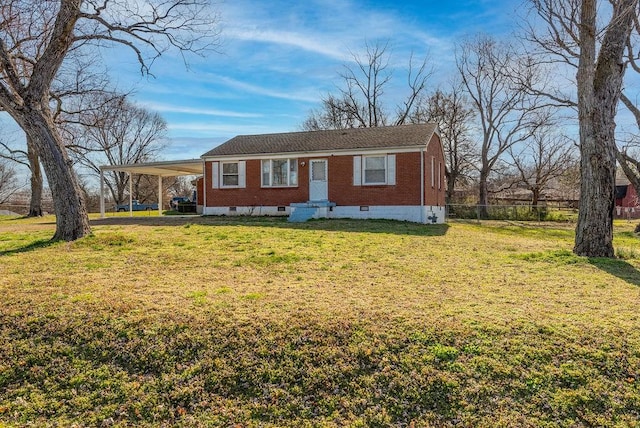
(101, 193)
(130, 195)
(159, 195)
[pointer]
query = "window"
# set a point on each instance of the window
(374, 170)
(279, 172)
(230, 174)
(433, 171)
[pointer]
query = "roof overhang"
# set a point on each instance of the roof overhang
(319, 153)
(162, 169)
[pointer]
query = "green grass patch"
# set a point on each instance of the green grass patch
(556, 256)
(255, 322)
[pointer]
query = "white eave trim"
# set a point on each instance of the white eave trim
(313, 154)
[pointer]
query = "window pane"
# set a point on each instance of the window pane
(230, 174)
(374, 176)
(230, 180)
(266, 172)
(374, 170)
(293, 172)
(374, 163)
(318, 172)
(230, 168)
(280, 172)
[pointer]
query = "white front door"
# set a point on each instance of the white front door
(318, 183)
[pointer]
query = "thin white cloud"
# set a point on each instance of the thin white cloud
(261, 90)
(170, 108)
(319, 45)
(179, 130)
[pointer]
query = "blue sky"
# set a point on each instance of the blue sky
(278, 57)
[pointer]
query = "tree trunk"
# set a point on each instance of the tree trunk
(535, 200)
(35, 205)
(451, 182)
(599, 86)
(72, 221)
(483, 195)
(594, 231)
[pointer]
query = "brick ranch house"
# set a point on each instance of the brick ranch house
(394, 172)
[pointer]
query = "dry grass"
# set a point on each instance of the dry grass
(257, 322)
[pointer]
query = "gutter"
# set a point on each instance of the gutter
(422, 220)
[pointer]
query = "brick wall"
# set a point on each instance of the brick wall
(406, 191)
(434, 195)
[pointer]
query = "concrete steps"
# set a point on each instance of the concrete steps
(301, 212)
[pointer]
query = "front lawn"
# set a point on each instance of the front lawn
(258, 322)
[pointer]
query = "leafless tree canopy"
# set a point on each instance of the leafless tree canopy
(361, 101)
(492, 75)
(116, 132)
(628, 155)
(453, 112)
(544, 157)
(8, 181)
(594, 38)
(27, 157)
(37, 36)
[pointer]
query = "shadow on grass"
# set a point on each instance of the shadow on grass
(618, 268)
(42, 243)
(339, 225)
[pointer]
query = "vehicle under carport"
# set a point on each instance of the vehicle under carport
(160, 169)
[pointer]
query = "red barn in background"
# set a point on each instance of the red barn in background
(627, 200)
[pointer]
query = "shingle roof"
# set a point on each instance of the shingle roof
(320, 141)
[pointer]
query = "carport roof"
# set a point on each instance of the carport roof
(162, 169)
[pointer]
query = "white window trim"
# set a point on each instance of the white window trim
(222, 174)
(217, 175)
(364, 171)
(279, 186)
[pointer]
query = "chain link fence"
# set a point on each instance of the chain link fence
(512, 212)
(23, 208)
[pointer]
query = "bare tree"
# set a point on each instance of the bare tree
(491, 74)
(628, 155)
(361, 102)
(28, 158)
(543, 158)
(116, 132)
(35, 38)
(8, 181)
(78, 78)
(452, 111)
(574, 35)
(181, 186)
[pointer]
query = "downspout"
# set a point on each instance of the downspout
(422, 220)
(204, 187)
(130, 195)
(101, 193)
(160, 195)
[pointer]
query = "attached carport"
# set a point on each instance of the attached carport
(160, 169)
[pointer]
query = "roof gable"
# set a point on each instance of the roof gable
(330, 140)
